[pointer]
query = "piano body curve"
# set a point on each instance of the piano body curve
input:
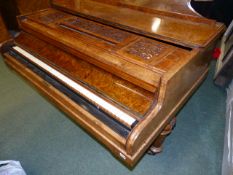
(120, 69)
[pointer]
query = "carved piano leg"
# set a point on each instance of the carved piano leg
(157, 146)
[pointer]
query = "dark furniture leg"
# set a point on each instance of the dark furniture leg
(157, 146)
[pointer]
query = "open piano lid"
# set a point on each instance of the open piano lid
(171, 21)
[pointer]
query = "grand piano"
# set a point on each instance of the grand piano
(121, 69)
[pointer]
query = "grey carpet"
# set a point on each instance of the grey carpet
(45, 141)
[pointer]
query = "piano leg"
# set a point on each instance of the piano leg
(157, 146)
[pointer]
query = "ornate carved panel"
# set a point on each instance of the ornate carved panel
(101, 31)
(51, 17)
(145, 49)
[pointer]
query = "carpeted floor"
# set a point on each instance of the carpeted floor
(46, 142)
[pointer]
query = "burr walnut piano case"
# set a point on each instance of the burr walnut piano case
(120, 69)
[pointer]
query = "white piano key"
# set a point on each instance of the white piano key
(118, 113)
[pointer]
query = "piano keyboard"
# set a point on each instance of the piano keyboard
(119, 115)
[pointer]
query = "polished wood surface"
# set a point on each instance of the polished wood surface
(173, 94)
(76, 112)
(147, 20)
(137, 59)
(10, 9)
(144, 57)
(118, 90)
(181, 7)
(3, 30)
(25, 6)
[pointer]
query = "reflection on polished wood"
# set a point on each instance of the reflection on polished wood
(116, 88)
(181, 8)
(141, 58)
(160, 20)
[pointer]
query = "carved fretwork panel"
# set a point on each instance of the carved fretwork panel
(52, 17)
(48, 17)
(145, 49)
(98, 30)
(146, 52)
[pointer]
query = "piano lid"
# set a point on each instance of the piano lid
(171, 21)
